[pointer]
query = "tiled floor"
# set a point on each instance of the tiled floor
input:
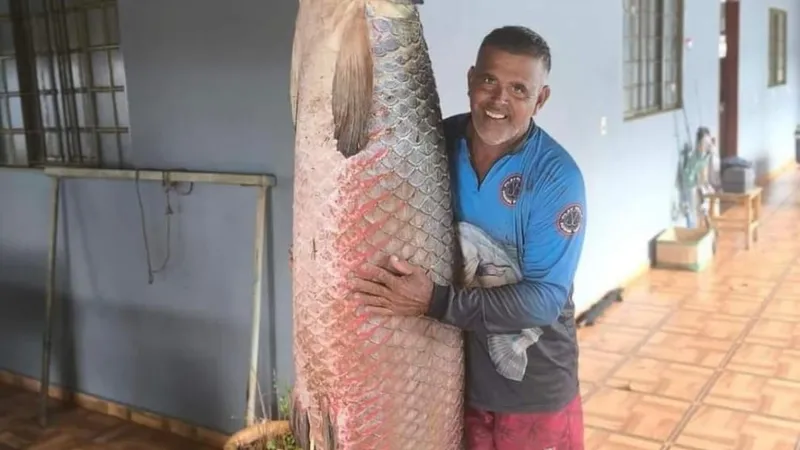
(74, 429)
(707, 361)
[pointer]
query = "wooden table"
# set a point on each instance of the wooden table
(751, 200)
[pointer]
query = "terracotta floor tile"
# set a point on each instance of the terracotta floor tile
(131, 436)
(73, 428)
(596, 365)
(634, 414)
(663, 378)
(713, 428)
(596, 439)
(637, 315)
(650, 296)
(753, 393)
(687, 349)
(783, 309)
(744, 286)
(615, 339)
(775, 333)
(723, 303)
(587, 388)
(788, 289)
(767, 361)
(702, 324)
(771, 272)
(793, 276)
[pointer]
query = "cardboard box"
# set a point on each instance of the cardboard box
(685, 249)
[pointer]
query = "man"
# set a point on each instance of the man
(519, 186)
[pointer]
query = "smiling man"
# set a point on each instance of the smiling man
(521, 188)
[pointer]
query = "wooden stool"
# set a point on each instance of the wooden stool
(751, 200)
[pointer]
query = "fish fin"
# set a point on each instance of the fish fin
(507, 360)
(299, 422)
(294, 73)
(531, 336)
(298, 43)
(329, 430)
(353, 85)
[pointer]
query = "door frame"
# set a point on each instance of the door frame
(729, 80)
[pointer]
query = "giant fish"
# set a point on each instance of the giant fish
(371, 180)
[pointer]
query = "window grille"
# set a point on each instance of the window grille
(62, 92)
(653, 53)
(777, 47)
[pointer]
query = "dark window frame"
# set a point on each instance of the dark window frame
(62, 84)
(776, 47)
(652, 57)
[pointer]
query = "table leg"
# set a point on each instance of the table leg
(749, 226)
(757, 215)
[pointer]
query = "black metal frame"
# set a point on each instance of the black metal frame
(71, 88)
(653, 57)
(777, 47)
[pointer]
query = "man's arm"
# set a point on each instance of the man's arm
(553, 244)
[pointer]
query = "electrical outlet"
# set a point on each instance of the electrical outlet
(603, 126)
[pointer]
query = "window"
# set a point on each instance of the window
(777, 47)
(653, 40)
(62, 84)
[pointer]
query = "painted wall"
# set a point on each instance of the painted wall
(767, 116)
(211, 93)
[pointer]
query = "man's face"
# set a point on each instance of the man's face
(505, 92)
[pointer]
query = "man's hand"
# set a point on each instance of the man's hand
(401, 289)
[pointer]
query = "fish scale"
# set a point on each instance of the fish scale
(369, 382)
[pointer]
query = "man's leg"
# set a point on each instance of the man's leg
(479, 427)
(561, 430)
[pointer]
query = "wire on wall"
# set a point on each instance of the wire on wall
(168, 187)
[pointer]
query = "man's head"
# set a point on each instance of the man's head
(508, 83)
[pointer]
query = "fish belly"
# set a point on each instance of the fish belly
(365, 381)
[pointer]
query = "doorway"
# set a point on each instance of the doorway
(729, 78)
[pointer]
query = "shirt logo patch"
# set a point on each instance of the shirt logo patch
(570, 220)
(510, 189)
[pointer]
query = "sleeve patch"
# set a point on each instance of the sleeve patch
(570, 220)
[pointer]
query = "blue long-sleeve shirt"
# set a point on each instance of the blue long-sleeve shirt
(533, 201)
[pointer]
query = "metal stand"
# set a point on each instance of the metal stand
(262, 182)
(47, 339)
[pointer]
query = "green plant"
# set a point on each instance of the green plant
(286, 442)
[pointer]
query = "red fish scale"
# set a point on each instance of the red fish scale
(386, 383)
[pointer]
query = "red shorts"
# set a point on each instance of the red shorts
(560, 430)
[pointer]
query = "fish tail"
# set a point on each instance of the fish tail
(329, 430)
(353, 83)
(299, 422)
(508, 362)
(297, 51)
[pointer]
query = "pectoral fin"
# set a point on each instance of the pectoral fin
(300, 30)
(508, 360)
(299, 423)
(353, 85)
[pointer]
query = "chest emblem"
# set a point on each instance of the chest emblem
(570, 219)
(510, 189)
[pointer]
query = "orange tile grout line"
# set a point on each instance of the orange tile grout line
(720, 369)
(679, 427)
(737, 343)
